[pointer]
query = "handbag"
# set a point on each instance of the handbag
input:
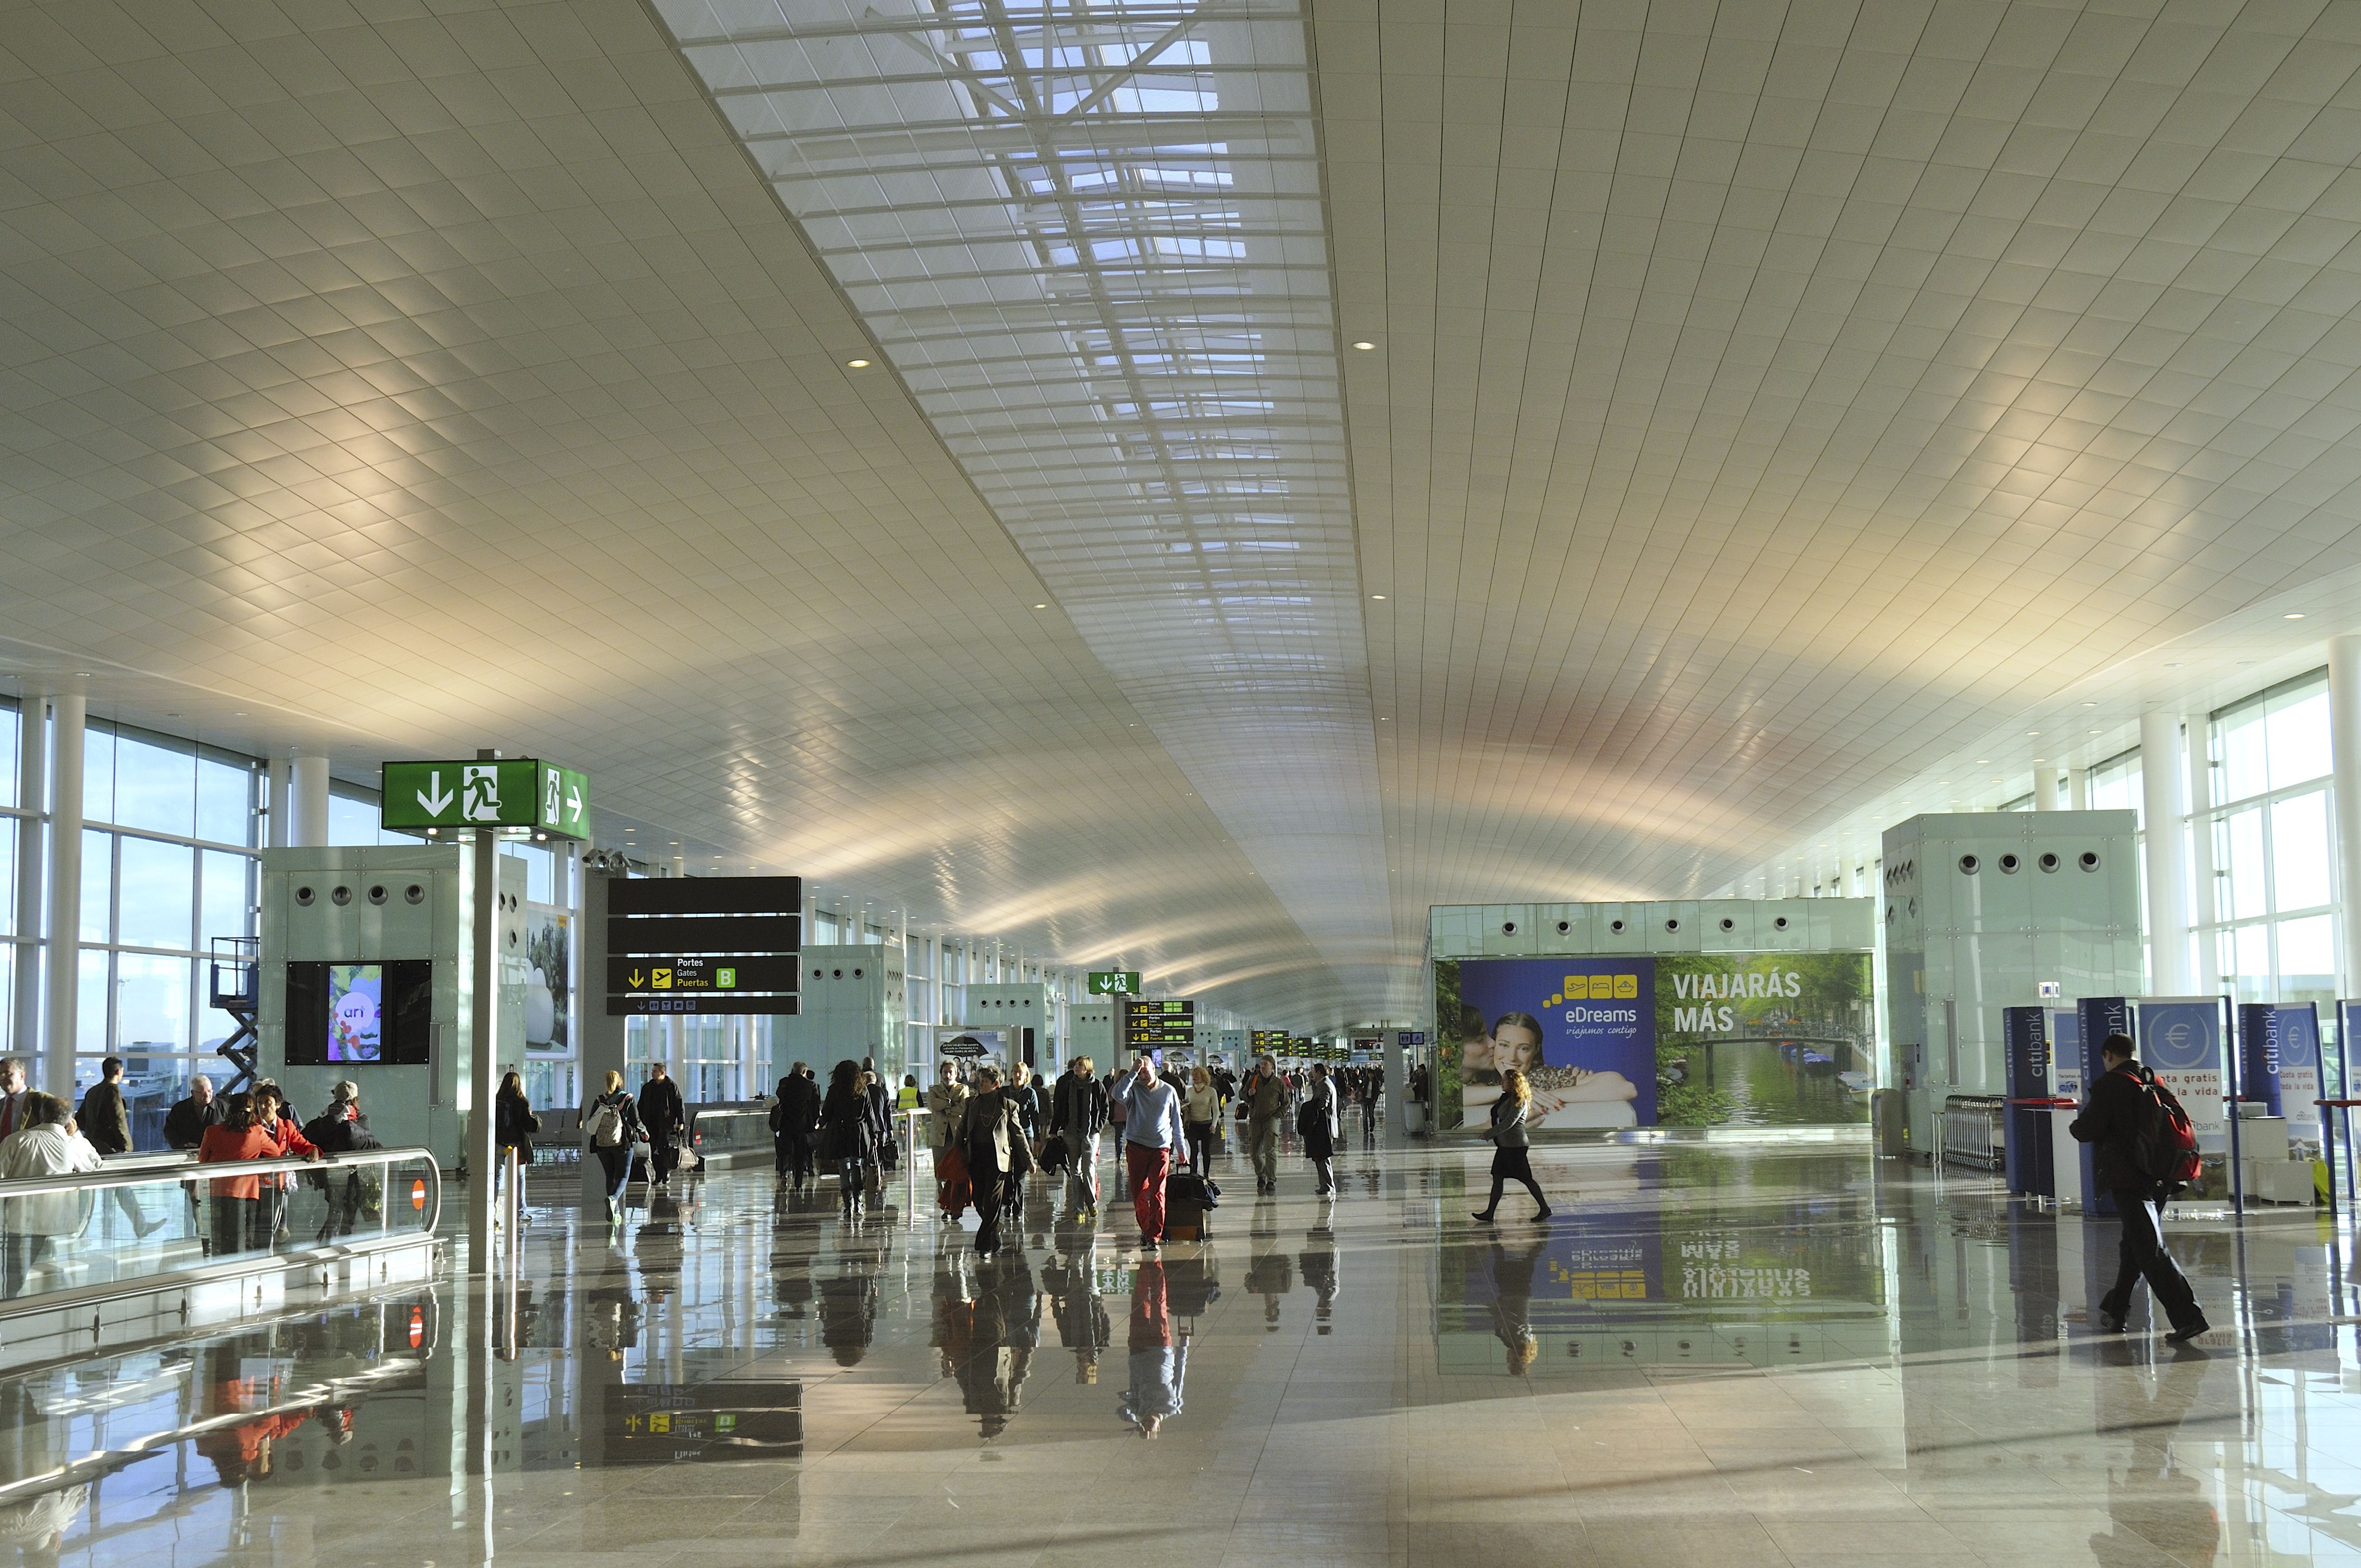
(1191, 1189)
(687, 1159)
(952, 1191)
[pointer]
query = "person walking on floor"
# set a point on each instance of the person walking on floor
(1511, 1145)
(2110, 1122)
(992, 1138)
(1153, 1137)
(798, 1111)
(1316, 1120)
(665, 1119)
(846, 1140)
(1199, 1112)
(877, 1101)
(513, 1127)
(1262, 1101)
(610, 1124)
(1077, 1112)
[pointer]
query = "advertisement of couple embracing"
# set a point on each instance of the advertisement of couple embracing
(1692, 1039)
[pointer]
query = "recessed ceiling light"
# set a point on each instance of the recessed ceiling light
(1363, 344)
(2293, 614)
(2040, 759)
(1040, 607)
(1377, 596)
(2032, 732)
(856, 365)
(2176, 664)
(1984, 761)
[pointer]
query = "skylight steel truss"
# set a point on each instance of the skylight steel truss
(1089, 235)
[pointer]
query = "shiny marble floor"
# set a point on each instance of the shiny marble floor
(1726, 1355)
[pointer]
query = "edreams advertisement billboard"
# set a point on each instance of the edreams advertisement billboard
(1690, 1039)
(1584, 1030)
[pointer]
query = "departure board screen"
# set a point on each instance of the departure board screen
(1159, 1026)
(1271, 1040)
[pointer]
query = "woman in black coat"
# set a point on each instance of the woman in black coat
(846, 1134)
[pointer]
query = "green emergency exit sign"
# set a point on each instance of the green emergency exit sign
(498, 791)
(1115, 982)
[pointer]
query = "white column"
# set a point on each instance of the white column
(2168, 864)
(308, 802)
(283, 801)
(32, 795)
(2345, 751)
(2203, 885)
(2078, 789)
(2045, 787)
(64, 965)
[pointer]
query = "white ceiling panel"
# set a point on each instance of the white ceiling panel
(1770, 408)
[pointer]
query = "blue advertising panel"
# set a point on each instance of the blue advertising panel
(2299, 1075)
(2099, 1018)
(1584, 1030)
(2258, 1053)
(2024, 1035)
(2181, 1042)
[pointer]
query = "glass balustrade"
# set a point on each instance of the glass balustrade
(139, 1225)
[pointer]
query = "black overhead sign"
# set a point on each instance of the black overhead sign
(703, 945)
(715, 972)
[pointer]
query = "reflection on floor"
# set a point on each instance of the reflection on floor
(1732, 1356)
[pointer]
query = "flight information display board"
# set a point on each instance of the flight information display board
(1158, 1025)
(1271, 1040)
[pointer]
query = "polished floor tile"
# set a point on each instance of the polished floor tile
(1712, 1354)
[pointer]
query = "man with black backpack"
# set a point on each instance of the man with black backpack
(2138, 1130)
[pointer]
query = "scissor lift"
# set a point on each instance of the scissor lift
(237, 991)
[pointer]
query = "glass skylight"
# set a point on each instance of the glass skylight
(1089, 235)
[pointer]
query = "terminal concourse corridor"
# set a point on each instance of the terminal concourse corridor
(1730, 1356)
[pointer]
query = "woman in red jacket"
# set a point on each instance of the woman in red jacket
(271, 1116)
(241, 1206)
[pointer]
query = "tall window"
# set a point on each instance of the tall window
(169, 864)
(12, 958)
(2275, 898)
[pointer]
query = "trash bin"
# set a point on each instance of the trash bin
(1888, 1119)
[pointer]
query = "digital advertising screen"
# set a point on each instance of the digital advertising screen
(356, 1009)
(359, 1014)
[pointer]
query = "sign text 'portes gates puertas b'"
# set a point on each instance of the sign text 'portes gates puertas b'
(490, 792)
(703, 944)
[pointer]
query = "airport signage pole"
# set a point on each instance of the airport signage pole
(490, 794)
(483, 1017)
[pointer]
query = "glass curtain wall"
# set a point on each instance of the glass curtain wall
(170, 861)
(15, 954)
(2276, 901)
(2115, 786)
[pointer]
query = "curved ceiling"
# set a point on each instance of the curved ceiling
(1766, 407)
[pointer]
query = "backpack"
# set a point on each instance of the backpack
(2163, 1144)
(606, 1126)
